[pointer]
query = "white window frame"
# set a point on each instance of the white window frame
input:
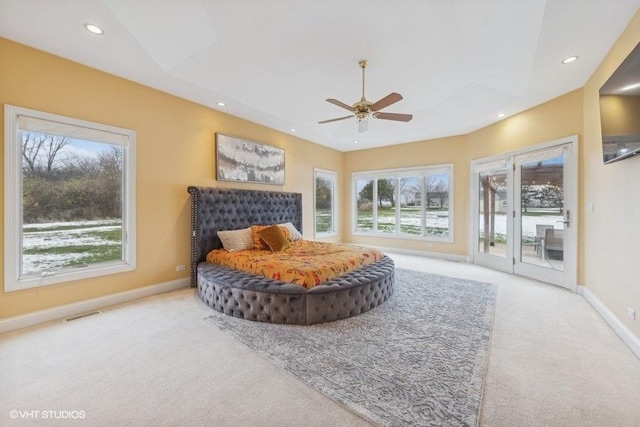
(13, 280)
(334, 202)
(375, 175)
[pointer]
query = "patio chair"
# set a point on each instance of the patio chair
(541, 229)
(553, 244)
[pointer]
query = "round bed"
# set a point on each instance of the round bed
(259, 298)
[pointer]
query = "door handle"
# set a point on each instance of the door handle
(567, 219)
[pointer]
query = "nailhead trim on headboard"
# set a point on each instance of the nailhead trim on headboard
(215, 209)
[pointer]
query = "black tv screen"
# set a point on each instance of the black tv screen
(620, 110)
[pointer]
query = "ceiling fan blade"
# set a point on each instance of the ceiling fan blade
(392, 98)
(363, 125)
(335, 120)
(340, 104)
(393, 116)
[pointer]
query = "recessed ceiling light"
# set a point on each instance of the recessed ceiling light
(570, 59)
(355, 142)
(292, 130)
(501, 115)
(221, 104)
(94, 29)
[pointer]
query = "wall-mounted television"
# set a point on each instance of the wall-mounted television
(620, 110)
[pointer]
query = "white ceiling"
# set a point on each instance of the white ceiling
(458, 63)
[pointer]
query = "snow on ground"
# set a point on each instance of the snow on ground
(58, 238)
(45, 236)
(529, 222)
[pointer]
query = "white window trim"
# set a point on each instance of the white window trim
(374, 175)
(334, 202)
(13, 204)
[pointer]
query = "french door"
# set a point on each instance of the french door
(524, 212)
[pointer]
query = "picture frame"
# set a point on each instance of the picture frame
(243, 160)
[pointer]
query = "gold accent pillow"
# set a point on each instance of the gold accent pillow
(258, 243)
(274, 237)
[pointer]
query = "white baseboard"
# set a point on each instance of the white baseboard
(437, 255)
(74, 309)
(620, 329)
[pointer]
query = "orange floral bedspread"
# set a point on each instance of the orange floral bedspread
(306, 263)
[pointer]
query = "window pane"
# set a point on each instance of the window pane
(437, 206)
(398, 202)
(364, 214)
(71, 203)
(325, 184)
(411, 205)
(386, 205)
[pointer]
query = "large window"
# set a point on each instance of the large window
(407, 203)
(69, 199)
(325, 203)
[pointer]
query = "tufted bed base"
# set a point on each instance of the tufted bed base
(258, 298)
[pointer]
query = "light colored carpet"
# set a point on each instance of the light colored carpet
(417, 360)
(552, 362)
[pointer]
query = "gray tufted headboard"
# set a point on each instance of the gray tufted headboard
(215, 209)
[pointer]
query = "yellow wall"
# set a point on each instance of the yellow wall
(175, 149)
(612, 232)
(555, 119)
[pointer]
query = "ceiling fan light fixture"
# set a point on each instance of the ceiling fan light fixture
(363, 124)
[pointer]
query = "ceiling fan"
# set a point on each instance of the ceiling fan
(364, 109)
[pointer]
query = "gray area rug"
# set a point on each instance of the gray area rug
(417, 359)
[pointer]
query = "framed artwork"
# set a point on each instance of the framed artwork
(242, 160)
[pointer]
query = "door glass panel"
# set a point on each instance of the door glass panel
(492, 215)
(542, 212)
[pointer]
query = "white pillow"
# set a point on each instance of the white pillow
(236, 240)
(295, 234)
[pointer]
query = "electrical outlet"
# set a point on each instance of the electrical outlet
(631, 313)
(180, 267)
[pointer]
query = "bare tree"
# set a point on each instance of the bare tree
(437, 190)
(39, 152)
(409, 190)
(110, 161)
